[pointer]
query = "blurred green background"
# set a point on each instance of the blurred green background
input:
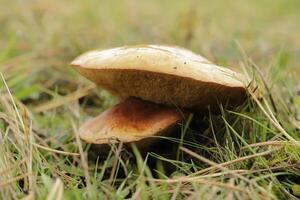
(65, 28)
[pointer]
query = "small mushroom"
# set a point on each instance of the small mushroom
(155, 81)
(131, 120)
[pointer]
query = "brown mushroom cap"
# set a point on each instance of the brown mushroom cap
(163, 74)
(131, 120)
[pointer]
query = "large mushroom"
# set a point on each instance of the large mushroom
(154, 83)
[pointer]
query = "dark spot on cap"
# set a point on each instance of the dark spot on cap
(174, 67)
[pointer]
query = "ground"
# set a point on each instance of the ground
(248, 153)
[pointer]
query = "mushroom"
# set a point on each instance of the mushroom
(131, 120)
(155, 82)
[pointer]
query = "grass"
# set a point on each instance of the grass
(249, 153)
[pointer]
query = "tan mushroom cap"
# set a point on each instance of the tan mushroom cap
(131, 120)
(162, 74)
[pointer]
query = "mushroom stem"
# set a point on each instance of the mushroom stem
(132, 120)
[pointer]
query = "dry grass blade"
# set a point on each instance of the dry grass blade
(230, 195)
(57, 190)
(117, 152)
(273, 120)
(63, 100)
(265, 83)
(295, 123)
(30, 196)
(7, 169)
(269, 143)
(14, 104)
(175, 193)
(83, 158)
(251, 182)
(30, 159)
(54, 150)
(203, 181)
(216, 167)
(17, 178)
(137, 193)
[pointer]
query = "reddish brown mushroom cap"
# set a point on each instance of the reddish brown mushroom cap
(131, 120)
